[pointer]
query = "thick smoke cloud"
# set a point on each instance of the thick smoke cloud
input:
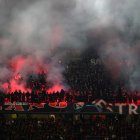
(39, 32)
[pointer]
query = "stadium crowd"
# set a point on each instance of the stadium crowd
(88, 127)
(88, 80)
(66, 96)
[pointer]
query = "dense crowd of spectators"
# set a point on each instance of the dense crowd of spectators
(88, 79)
(82, 127)
(65, 96)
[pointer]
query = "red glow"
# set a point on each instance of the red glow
(21, 67)
(14, 85)
(28, 64)
(18, 63)
(5, 86)
(40, 69)
(16, 82)
(55, 88)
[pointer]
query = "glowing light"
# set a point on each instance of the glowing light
(15, 86)
(55, 88)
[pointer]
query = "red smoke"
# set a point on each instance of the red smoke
(55, 88)
(17, 63)
(21, 68)
(14, 85)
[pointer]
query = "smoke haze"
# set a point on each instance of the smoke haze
(32, 31)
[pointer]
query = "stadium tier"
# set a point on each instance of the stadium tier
(80, 127)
